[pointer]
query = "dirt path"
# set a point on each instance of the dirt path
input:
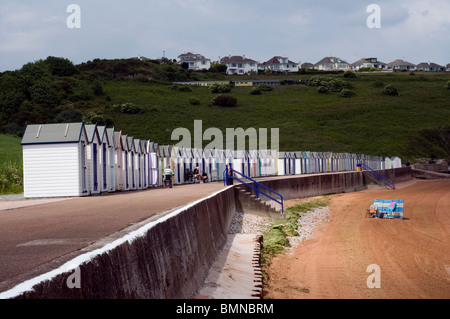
(413, 254)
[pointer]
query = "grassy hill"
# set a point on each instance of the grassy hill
(10, 149)
(413, 125)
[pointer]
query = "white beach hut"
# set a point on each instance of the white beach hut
(94, 159)
(118, 161)
(54, 160)
(111, 175)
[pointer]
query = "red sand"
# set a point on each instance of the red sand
(413, 254)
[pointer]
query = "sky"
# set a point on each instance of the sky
(302, 30)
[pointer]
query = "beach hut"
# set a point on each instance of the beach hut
(153, 179)
(126, 163)
(132, 163)
(178, 165)
(282, 163)
(396, 162)
(111, 176)
(239, 161)
(221, 162)
(144, 160)
(118, 161)
(253, 163)
(55, 160)
(103, 158)
(94, 159)
(138, 169)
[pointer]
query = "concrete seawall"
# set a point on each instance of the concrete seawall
(169, 258)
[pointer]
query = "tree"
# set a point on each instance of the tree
(60, 66)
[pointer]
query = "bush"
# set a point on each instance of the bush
(390, 90)
(224, 100)
(331, 84)
(181, 88)
(265, 87)
(347, 93)
(11, 178)
(378, 84)
(349, 75)
(220, 88)
(255, 91)
(194, 101)
(128, 108)
(323, 90)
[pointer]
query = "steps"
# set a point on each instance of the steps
(377, 178)
(249, 204)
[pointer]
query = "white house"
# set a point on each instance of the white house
(279, 64)
(196, 62)
(54, 160)
(239, 65)
(401, 65)
(332, 64)
(431, 67)
(368, 63)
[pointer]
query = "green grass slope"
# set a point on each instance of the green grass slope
(412, 125)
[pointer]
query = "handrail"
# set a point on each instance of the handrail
(258, 191)
(378, 176)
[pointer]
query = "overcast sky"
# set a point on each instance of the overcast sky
(303, 30)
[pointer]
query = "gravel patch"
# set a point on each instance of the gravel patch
(308, 222)
(252, 224)
(13, 197)
(248, 224)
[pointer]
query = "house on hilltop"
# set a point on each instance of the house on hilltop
(332, 64)
(279, 64)
(368, 63)
(239, 65)
(430, 67)
(401, 65)
(307, 65)
(196, 62)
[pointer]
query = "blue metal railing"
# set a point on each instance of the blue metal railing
(256, 188)
(378, 177)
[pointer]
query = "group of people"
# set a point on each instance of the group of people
(189, 176)
(195, 175)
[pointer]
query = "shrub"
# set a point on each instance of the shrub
(181, 88)
(11, 178)
(220, 88)
(128, 108)
(390, 90)
(378, 84)
(347, 93)
(194, 101)
(323, 90)
(265, 87)
(255, 91)
(349, 75)
(224, 100)
(331, 84)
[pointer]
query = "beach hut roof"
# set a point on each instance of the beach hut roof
(53, 133)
